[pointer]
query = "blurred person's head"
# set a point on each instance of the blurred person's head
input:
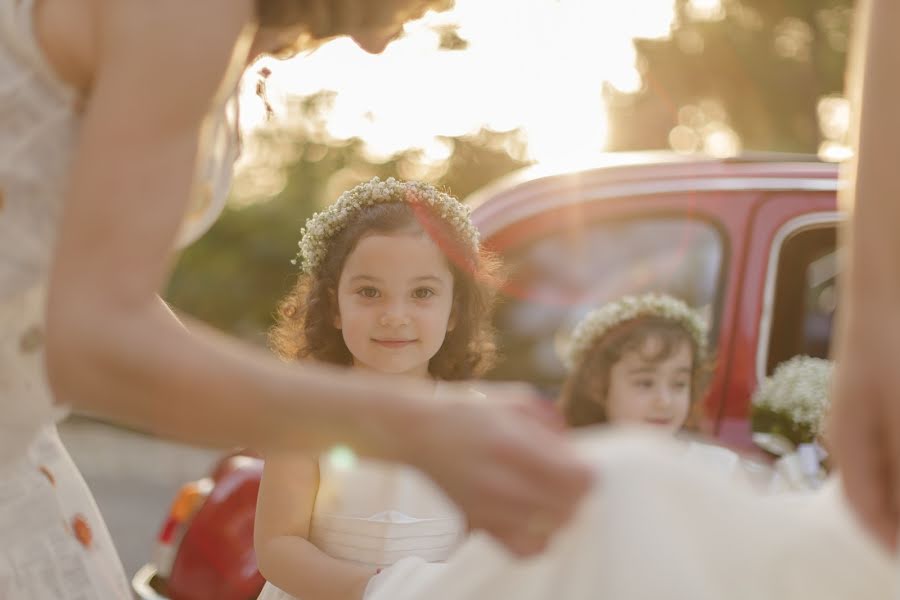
(290, 26)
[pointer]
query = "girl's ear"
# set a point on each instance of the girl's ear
(597, 387)
(454, 310)
(451, 322)
(332, 297)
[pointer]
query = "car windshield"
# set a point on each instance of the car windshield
(556, 279)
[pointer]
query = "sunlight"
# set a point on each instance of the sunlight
(709, 10)
(534, 65)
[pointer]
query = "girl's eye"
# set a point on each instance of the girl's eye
(423, 293)
(644, 383)
(680, 385)
(368, 292)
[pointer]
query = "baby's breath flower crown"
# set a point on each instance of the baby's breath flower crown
(601, 321)
(794, 400)
(323, 226)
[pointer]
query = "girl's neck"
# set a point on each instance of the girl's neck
(418, 373)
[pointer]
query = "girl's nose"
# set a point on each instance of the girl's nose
(393, 318)
(663, 397)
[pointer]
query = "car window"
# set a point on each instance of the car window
(556, 279)
(805, 297)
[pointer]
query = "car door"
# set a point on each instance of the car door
(788, 296)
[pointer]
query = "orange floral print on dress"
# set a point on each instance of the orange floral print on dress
(48, 475)
(82, 531)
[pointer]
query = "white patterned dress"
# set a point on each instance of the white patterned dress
(54, 542)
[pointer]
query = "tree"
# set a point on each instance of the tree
(754, 68)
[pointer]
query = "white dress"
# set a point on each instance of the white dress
(660, 525)
(54, 542)
(379, 514)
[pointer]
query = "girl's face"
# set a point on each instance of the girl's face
(652, 392)
(395, 301)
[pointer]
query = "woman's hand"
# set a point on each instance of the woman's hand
(503, 460)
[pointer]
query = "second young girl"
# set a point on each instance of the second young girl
(393, 280)
(636, 360)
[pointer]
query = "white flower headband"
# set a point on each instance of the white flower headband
(323, 226)
(601, 321)
(799, 390)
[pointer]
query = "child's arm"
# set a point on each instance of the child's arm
(284, 554)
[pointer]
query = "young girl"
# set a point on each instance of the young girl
(642, 360)
(116, 142)
(393, 281)
(636, 360)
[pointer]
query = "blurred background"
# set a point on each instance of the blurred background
(472, 93)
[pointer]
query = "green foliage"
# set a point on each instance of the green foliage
(766, 420)
(760, 66)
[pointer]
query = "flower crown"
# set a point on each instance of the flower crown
(794, 400)
(601, 321)
(323, 226)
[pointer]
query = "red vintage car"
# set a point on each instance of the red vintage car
(750, 241)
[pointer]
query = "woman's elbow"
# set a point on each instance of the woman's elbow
(75, 343)
(64, 352)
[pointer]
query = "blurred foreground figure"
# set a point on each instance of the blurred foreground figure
(866, 408)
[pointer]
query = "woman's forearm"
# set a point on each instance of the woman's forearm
(112, 348)
(141, 367)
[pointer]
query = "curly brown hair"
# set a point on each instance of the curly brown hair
(583, 397)
(304, 322)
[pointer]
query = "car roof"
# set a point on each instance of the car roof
(767, 170)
